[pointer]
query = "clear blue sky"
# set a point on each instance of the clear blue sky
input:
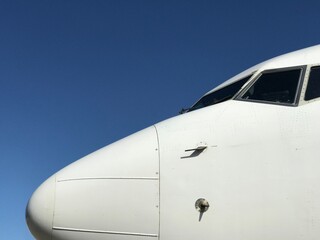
(77, 75)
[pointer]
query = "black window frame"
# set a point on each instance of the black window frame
(249, 77)
(311, 67)
(298, 91)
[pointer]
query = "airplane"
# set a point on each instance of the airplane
(242, 163)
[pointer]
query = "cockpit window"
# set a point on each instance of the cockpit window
(313, 88)
(220, 95)
(276, 87)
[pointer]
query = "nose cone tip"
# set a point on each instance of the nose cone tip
(40, 208)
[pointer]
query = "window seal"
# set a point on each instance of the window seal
(305, 85)
(253, 81)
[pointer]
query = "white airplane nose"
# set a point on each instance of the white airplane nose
(40, 208)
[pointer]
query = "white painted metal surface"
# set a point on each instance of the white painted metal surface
(111, 192)
(260, 175)
(257, 165)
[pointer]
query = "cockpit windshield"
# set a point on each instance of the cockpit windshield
(220, 95)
